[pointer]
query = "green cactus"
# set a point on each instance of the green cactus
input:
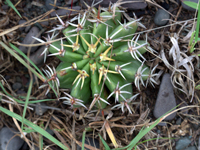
(98, 47)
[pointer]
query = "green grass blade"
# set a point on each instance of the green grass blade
(35, 127)
(104, 143)
(141, 135)
(26, 103)
(13, 7)
(23, 55)
(197, 26)
(83, 140)
(41, 77)
(21, 60)
(191, 4)
(41, 142)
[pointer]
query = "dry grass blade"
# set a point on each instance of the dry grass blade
(110, 133)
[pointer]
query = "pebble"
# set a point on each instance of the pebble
(187, 7)
(16, 86)
(160, 17)
(5, 7)
(6, 142)
(48, 2)
(70, 1)
(21, 22)
(50, 131)
(18, 79)
(135, 5)
(182, 143)
(178, 121)
(34, 31)
(27, 29)
(36, 58)
(190, 148)
(62, 12)
(91, 142)
(185, 110)
(165, 100)
(45, 23)
(131, 6)
(40, 110)
(21, 92)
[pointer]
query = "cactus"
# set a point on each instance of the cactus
(98, 47)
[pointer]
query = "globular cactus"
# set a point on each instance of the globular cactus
(99, 47)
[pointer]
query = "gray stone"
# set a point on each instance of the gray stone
(160, 17)
(21, 22)
(62, 12)
(34, 31)
(6, 142)
(187, 7)
(91, 142)
(16, 86)
(130, 4)
(39, 110)
(5, 7)
(50, 131)
(178, 121)
(135, 5)
(27, 28)
(18, 79)
(190, 148)
(165, 100)
(45, 23)
(36, 57)
(48, 2)
(182, 143)
(70, 1)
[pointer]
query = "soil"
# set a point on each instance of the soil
(69, 123)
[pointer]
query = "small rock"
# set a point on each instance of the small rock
(62, 12)
(165, 5)
(187, 7)
(18, 79)
(6, 142)
(27, 29)
(36, 57)
(70, 1)
(21, 22)
(34, 31)
(185, 110)
(190, 148)
(48, 2)
(5, 7)
(35, 148)
(39, 110)
(165, 100)
(135, 5)
(161, 17)
(50, 131)
(91, 142)
(162, 124)
(16, 86)
(131, 4)
(182, 143)
(178, 121)
(21, 92)
(45, 23)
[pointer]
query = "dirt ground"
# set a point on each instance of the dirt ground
(124, 126)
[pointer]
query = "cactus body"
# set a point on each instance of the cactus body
(95, 49)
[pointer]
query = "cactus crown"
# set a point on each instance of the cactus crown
(95, 48)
